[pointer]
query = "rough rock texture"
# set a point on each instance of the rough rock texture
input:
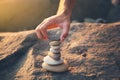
(21, 54)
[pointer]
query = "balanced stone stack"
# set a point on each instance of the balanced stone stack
(53, 61)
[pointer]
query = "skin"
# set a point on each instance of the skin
(61, 19)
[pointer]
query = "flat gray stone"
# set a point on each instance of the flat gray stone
(55, 47)
(54, 43)
(54, 56)
(56, 51)
(58, 68)
(51, 61)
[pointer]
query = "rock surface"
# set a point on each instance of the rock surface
(21, 54)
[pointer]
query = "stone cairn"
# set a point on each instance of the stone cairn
(53, 61)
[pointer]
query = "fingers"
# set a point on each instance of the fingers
(64, 33)
(39, 35)
(44, 34)
(53, 22)
(41, 31)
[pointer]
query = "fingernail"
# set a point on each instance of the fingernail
(46, 38)
(62, 39)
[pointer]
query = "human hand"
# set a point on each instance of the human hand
(53, 22)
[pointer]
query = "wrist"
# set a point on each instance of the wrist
(64, 15)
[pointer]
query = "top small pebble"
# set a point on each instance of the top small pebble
(55, 43)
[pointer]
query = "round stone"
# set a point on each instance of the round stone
(59, 68)
(54, 43)
(52, 61)
(54, 50)
(55, 47)
(54, 56)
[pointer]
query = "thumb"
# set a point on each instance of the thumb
(64, 33)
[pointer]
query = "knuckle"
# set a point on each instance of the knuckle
(48, 20)
(41, 28)
(36, 29)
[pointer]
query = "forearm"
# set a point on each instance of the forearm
(65, 7)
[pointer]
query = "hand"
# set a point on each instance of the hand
(53, 22)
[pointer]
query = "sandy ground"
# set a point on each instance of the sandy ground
(92, 50)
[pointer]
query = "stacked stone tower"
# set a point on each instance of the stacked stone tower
(53, 61)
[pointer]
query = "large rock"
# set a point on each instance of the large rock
(21, 54)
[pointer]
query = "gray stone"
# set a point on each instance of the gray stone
(54, 43)
(58, 68)
(54, 50)
(51, 61)
(55, 47)
(54, 56)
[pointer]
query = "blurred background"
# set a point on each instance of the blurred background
(19, 15)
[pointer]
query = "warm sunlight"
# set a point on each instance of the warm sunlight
(23, 13)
